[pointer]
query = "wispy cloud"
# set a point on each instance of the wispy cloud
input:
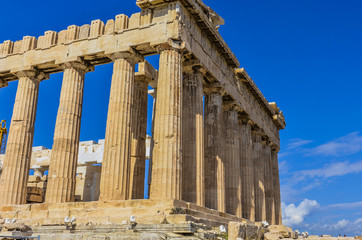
(293, 146)
(312, 185)
(283, 167)
(283, 154)
(346, 205)
(332, 170)
(343, 146)
(293, 215)
(346, 145)
(305, 180)
(297, 143)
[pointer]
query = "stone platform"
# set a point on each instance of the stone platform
(117, 212)
(113, 218)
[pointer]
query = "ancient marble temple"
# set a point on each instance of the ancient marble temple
(215, 142)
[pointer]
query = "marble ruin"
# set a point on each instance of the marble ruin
(214, 150)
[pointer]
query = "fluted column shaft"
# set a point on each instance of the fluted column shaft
(247, 171)
(232, 163)
(193, 139)
(167, 157)
(16, 166)
(115, 179)
(214, 164)
(276, 184)
(269, 189)
(259, 181)
(64, 158)
(138, 133)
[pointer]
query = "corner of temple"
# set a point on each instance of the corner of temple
(172, 44)
(278, 118)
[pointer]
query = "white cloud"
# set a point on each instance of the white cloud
(293, 146)
(283, 167)
(346, 205)
(341, 224)
(346, 145)
(332, 170)
(310, 186)
(297, 143)
(343, 146)
(293, 215)
(283, 154)
(358, 221)
(344, 226)
(306, 180)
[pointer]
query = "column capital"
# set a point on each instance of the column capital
(230, 106)
(257, 134)
(275, 148)
(131, 56)
(79, 65)
(171, 44)
(244, 119)
(214, 88)
(193, 66)
(266, 141)
(33, 74)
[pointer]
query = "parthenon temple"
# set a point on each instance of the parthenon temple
(215, 138)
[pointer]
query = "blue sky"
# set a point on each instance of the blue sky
(305, 55)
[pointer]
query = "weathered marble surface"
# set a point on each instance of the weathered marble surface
(223, 157)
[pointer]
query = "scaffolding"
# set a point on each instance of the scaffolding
(3, 136)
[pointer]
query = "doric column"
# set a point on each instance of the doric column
(259, 183)
(64, 158)
(16, 166)
(269, 189)
(115, 178)
(276, 184)
(247, 169)
(167, 157)
(193, 138)
(231, 147)
(214, 164)
(138, 133)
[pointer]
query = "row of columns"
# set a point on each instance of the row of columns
(241, 168)
(212, 157)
